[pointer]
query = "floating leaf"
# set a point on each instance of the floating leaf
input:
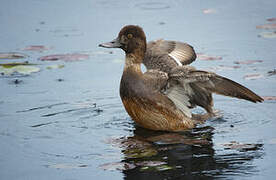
(208, 57)
(247, 62)
(152, 6)
(121, 166)
(35, 48)
(12, 55)
(10, 65)
(271, 19)
(242, 147)
(253, 76)
(8, 69)
(67, 166)
(266, 26)
(268, 34)
(224, 67)
(55, 66)
(65, 57)
(269, 98)
(209, 11)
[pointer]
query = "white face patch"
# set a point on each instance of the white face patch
(176, 60)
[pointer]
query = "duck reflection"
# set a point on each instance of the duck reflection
(190, 154)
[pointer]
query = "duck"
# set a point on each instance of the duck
(162, 97)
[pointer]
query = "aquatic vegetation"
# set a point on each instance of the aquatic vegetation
(24, 68)
(12, 55)
(39, 48)
(65, 57)
(206, 57)
(267, 34)
(247, 62)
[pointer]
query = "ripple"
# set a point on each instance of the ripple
(152, 6)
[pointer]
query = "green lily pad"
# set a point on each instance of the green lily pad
(55, 66)
(10, 65)
(268, 35)
(21, 68)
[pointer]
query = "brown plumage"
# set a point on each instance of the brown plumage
(161, 98)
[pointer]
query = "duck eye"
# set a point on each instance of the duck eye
(129, 36)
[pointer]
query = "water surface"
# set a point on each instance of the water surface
(69, 123)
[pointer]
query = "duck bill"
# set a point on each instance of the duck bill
(112, 44)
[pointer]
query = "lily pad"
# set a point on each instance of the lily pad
(247, 62)
(266, 26)
(12, 55)
(10, 65)
(271, 19)
(39, 48)
(224, 67)
(21, 68)
(65, 57)
(253, 76)
(153, 6)
(269, 98)
(268, 34)
(206, 57)
(55, 66)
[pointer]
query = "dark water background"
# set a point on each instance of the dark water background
(69, 123)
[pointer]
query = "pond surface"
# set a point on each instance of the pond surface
(61, 116)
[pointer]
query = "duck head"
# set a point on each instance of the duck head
(131, 39)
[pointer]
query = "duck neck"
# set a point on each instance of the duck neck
(133, 62)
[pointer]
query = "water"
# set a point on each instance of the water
(69, 123)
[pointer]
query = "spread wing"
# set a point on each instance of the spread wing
(162, 53)
(158, 81)
(198, 86)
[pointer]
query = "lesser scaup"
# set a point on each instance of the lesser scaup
(161, 98)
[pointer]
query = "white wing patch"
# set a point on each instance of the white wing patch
(175, 59)
(180, 99)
